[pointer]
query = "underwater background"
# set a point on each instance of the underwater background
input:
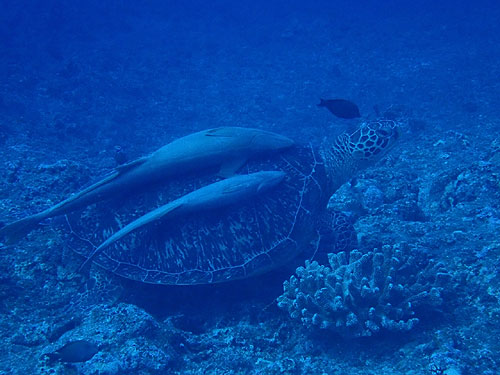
(81, 81)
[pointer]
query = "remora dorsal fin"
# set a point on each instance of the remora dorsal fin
(117, 172)
(126, 167)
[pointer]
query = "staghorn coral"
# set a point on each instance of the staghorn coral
(363, 294)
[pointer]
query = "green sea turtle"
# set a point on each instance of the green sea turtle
(253, 234)
(225, 149)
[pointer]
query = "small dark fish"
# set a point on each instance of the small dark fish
(74, 351)
(340, 107)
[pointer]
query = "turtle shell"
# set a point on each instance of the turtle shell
(235, 242)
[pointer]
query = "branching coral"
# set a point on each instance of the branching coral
(363, 294)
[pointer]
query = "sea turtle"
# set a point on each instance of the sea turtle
(252, 235)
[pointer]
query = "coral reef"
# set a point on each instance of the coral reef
(364, 294)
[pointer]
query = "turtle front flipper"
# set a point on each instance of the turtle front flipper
(336, 233)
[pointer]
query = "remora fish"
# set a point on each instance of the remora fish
(227, 148)
(219, 194)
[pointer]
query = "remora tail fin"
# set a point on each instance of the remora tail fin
(13, 232)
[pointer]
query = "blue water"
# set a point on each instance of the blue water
(80, 78)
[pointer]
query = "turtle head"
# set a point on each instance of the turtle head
(373, 140)
(351, 153)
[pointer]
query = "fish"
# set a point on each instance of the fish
(214, 196)
(341, 108)
(74, 351)
(227, 149)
